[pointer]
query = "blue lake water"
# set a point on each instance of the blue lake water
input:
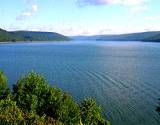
(124, 77)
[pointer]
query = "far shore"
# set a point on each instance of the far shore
(10, 42)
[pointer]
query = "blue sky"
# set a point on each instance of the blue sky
(81, 17)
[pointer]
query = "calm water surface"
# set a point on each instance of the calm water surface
(124, 77)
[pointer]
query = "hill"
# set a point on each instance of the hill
(130, 37)
(5, 36)
(155, 38)
(30, 36)
(142, 36)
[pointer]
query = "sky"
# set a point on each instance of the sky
(81, 17)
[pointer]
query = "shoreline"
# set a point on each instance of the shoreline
(10, 42)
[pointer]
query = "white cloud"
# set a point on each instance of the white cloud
(34, 8)
(28, 13)
(30, 1)
(131, 2)
(134, 5)
(152, 18)
(100, 2)
(139, 8)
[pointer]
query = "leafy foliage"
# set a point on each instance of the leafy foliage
(4, 91)
(33, 101)
(33, 94)
(10, 113)
(91, 113)
(68, 109)
(28, 92)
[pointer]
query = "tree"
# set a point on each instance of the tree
(91, 113)
(34, 101)
(68, 109)
(4, 91)
(33, 94)
(29, 92)
(10, 113)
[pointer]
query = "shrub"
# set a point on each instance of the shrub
(29, 92)
(34, 102)
(68, 111)
(91, 113)
(4, 91)
(33, 94)
(10, 113)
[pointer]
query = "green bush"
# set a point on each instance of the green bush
(91, 113)
(33, 101)
(4, 91)
(33, 94)
(68, 111)
(10, 113)
(29, 92)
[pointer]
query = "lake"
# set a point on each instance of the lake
(124, 77)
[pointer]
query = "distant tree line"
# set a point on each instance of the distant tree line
(14, 36)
